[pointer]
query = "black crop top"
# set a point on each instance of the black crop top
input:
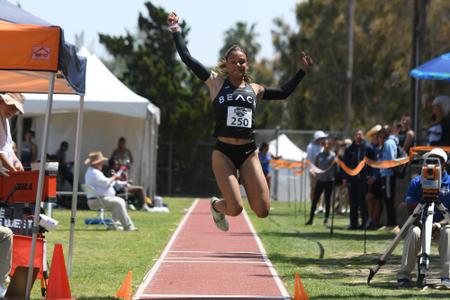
(234, 110)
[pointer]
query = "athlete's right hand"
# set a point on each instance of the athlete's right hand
(172, 20)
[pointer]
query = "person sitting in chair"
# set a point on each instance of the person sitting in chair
(104, 188)
(136, 196)
(5, 258)
(441, 228)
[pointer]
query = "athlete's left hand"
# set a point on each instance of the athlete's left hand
(306, 61)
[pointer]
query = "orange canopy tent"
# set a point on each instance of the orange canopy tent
(31, 49)
(35, 58)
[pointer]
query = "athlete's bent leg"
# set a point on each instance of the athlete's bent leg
(225, 174)
(255, 184)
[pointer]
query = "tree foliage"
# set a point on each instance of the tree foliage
(382, 59)
(243, 35)
(151, 68)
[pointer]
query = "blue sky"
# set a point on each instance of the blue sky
(208, 20)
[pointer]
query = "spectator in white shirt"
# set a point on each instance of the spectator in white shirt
(10, 104)
(103, 187)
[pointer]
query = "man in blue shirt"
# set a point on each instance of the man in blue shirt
(389, 138)
(441, 228)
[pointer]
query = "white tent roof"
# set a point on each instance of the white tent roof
(286, 149)
(104, 92)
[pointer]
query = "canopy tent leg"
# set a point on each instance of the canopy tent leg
(154, 152)
(19, 136)
(37, 208)
(76, 176)
(146, 140)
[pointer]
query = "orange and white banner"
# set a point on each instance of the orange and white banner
(279, 163)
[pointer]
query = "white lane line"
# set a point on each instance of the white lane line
(274, 273)
(178, 296)
(214, 261)
(213, 258)
(215, 252)
(149, 276)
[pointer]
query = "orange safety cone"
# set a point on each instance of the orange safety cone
(299, 290)
(124, 291)
(58, 283)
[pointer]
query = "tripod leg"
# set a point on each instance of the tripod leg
(424, 258)
(385, 256)
(443, 210)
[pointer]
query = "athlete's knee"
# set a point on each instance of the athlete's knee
(235, 210)
(262, 213)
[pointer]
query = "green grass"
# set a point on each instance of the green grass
(331, 267)
(103, 258)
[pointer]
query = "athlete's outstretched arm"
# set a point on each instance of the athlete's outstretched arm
(199, 70)
(282, 92)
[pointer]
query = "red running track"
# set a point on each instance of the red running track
(201, 262)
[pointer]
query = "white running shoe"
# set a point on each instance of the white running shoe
(218, 217)
(4, 287)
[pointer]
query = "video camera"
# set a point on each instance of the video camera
(431, 178)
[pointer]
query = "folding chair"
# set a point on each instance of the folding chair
(100, 218)
(20, 262)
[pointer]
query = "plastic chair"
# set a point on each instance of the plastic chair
(100, 218)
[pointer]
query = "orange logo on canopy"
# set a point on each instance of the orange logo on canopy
(41, 53)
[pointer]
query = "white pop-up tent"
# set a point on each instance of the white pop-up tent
(286, 185)
(284, 147)
(111, 111)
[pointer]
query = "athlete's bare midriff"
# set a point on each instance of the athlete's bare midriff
(233, 140)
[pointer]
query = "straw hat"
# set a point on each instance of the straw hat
(436, 152)
(374, 130)
(14, 99)
(94, 158)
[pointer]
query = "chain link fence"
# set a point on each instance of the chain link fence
(190, 174)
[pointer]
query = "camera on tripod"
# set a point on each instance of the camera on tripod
(425, 193)
(431, 178)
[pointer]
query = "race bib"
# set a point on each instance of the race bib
(239, 117)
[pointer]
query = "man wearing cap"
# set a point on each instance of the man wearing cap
(314, 148)
(441, 228)
(10, 104)
(104, 188)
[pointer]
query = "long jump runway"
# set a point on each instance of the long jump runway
(202, 262)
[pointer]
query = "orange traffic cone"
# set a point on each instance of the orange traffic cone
(299, 290)
(124, 291)
(58, 283)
